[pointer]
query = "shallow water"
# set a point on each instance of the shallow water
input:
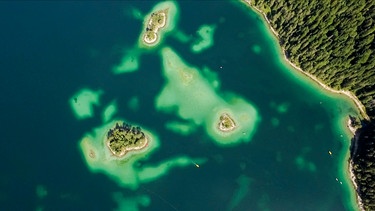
(52, 50)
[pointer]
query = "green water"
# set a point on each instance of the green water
(278, 160)
(279, 157)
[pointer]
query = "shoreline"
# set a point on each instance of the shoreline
(156, 30)
(349, 94)
(221, 125)
(352, 178)
(125, 152)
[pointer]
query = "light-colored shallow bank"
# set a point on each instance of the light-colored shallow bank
(83, 102)
(124, 169)
(348, 172)
(99, 158)
(157, 24)
(193, 98)
(205, 38)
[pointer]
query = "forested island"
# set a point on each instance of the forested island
(334, 41)
(123, 138)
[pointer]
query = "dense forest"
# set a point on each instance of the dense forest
(331, 39)
(363, 161)
(334, 40)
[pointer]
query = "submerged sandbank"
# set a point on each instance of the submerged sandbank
(121, 166)
(159, 22)
(100, 158)
(196, 100)
(82, 103)
(205, 38)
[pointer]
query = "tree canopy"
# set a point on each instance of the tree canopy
(334, 40)
(331, 39)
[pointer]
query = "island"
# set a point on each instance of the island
(157, 24)
(116, 148)
(159, 21)
(156, 21)
(226, 123)
(124, 138)
(113, 149)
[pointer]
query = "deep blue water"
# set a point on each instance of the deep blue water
(50, 50)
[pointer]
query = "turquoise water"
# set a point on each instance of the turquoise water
(48, 56)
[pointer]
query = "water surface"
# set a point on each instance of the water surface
(50, 50)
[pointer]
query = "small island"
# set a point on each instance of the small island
(159, 22)
(226, 123)
(156, 21)
(115, 149)
(123, 138)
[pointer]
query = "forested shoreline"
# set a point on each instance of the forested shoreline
(362, 158)
(334, 41)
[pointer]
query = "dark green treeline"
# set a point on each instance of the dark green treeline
(334, 40)
(363, 159)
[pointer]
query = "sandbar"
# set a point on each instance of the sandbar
(230, 120)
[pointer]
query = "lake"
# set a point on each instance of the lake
(296, 158)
